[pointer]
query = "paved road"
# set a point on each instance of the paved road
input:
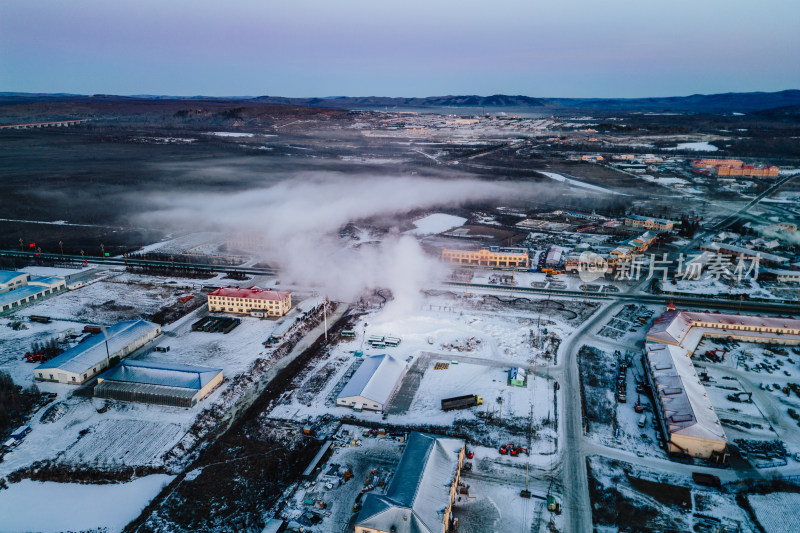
(735, 216)
(576, 504)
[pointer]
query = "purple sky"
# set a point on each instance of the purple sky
(570, 48)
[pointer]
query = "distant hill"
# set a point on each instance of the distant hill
(697, 103)
(700, 103)
(360, 102)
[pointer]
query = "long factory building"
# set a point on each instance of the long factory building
(83, 362)
(159, 383)
(493, 256)
(686, 416)
(20, 288)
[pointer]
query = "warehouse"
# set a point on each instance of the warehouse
(20, 288)
(244, 301)
(100, 351)
(158, 383)
(420, 497)
(373, 384)
(687, 418)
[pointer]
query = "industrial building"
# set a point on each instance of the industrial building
(100, 351)
(373, 384)
(20, 288)
(420, 497)
(493, 256)
(735, 167)
(170, 384)
(686, 416)
(246, 301)
(744, 253)
(649, 223)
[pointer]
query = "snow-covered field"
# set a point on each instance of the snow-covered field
(777, 512)
(48, 506)
(116, 442)
(106, 302)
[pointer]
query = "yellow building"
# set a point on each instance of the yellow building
(242, 301)
(491, 257)
(649, 223)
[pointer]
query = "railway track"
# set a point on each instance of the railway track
(123, 261)
(778, 306)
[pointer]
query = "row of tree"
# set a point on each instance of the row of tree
(15, 403)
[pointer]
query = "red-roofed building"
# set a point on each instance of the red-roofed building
(244, 301)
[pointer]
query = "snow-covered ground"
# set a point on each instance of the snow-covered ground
(49, 506)
(436, 223)
(703, 146)
(576, 183)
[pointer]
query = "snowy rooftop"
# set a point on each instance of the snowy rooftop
(683, 399)
(645, 219)
(164, 374)
(93, 350)
(8, 275)
(419, 492)
(719, 246)
(375, 379)
(17, 294)
(672, 327)
(45, 280)
(253, 293)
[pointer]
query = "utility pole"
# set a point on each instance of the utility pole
(325, 316)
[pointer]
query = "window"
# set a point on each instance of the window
(73, 378)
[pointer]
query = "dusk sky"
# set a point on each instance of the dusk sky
(572, 48)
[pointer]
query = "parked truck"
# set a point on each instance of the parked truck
(461, 402)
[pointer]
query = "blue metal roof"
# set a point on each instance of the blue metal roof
(164, 374)
(47, 280)
(93, 350)
(22, 292)
(8, 275)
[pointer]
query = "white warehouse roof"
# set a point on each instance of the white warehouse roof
(92, 351)
(684, 402)
(375, 379)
